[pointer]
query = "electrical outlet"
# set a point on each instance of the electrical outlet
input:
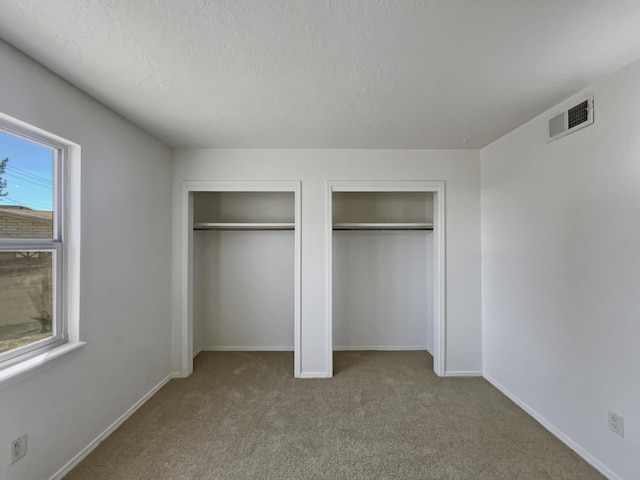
(616, 423)
(18, 448)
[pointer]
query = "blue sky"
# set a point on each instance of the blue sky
(29, 173)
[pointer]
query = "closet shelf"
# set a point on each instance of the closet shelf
(383, 226)
(244, 226)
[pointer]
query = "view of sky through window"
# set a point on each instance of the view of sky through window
(26, 212)
(28, 173)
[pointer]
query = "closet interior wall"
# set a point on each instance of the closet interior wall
(243, 295)
(383, 274)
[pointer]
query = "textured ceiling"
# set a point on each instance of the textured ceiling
(322, 73)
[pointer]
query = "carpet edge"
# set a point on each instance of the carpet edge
(71, 464)
(555, 431)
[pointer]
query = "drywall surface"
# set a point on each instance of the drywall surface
(460, 171)
(200, 295)
(380, 296)
(244, 207)
(243, 290)
(243, 281)
(125, 276)
(337, 74)
(560, 238)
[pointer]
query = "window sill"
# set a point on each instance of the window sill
(20, 370)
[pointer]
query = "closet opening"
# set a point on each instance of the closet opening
(387, 268)
(243, 262)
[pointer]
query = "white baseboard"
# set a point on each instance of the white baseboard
(463, 373)
(246, 349)
(100, 438)
(315, 375)
(586, 456)
(382, 348)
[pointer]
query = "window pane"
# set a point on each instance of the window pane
(26, 300)
(26, 188)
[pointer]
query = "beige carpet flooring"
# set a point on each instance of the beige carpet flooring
(384, 415)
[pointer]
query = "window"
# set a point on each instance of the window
(32, 243)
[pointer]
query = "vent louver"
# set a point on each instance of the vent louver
(569, 121)
(556, 125)
(578, 114)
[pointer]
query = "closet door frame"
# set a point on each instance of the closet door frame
(189, 187)
(439, 284)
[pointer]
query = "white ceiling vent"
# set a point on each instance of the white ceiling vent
(575, 118)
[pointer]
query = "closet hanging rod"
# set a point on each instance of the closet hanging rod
(254, 226)
(383, 226)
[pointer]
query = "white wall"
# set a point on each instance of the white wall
(243, 290)
(561, 256)
(380, 295)
(460, 170)
(243, 295)
(125, 276)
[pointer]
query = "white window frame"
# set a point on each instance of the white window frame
(64, 246)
